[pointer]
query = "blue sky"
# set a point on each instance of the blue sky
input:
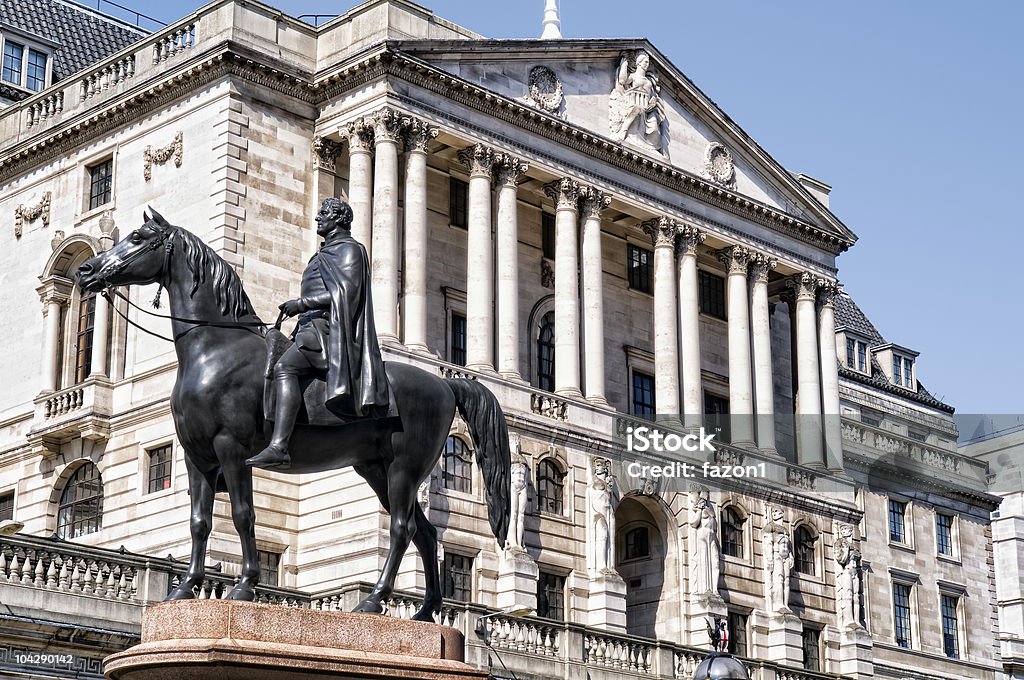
(910, 110)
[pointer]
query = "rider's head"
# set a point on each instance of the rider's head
(334, 214)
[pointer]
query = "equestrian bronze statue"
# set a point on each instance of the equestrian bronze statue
(222, 420)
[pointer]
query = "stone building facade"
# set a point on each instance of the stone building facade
(574, 224)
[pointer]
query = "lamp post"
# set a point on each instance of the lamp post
(481, 629)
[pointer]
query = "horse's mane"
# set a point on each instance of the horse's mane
(203, 262)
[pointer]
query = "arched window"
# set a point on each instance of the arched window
(638, 543)
(550, 486)
(81, 504)
(546, 353)
(84, 335)
(732, 532)
(457, 466)
(803, 550)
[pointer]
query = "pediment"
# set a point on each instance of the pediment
(628, 93)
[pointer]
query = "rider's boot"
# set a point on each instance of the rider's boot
(289, 399)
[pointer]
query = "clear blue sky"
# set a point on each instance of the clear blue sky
(910, 110)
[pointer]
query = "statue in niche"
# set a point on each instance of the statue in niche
(601, 515)
(705, 551)
(778, 562)
(635, 108)
(517, 498)
(847, 559)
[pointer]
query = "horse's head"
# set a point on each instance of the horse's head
(139, 258)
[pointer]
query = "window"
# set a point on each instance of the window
(551, 596)
(944, 534)
(547, 235)
(546, 353)
(917, 436)
(737, 633)
(550, 483)
(641, 276)
(457, 466)
(457, 577)
(81, 504)
(901, 613)
(83, 337)
(716, 412)
(24, 66)
(810, 639)
(857, 355)
(638, 543)
(458, 345)
(711, 292)
(159, 468)
(35, 75)
(13, 56)
(902, 371)
(643, 394)
(270, 567)
(458, 203)
(869, 419)
(101, 179)
(950, 629)
(732, 532)
(897, 521)
(803, 547)
(6, 505)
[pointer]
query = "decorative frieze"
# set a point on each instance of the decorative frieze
(479, 159)
(800, 478)
(564, 192)
(325, 153)
(662, 230)
(23, 214)
(162, 155)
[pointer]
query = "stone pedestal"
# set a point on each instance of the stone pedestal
(606, 605)
(224, 640)
(702, 607)
(855, 653)
(517, 580)
(784, 640)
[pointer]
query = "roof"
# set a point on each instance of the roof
(83, 36)
(850, 317)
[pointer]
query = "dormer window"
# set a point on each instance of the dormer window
(857, 355)
(24, 65)
(902, 371)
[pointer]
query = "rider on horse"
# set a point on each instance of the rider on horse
(335, 335)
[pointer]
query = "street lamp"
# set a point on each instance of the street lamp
(515, 611)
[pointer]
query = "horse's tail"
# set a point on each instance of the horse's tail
(482, 413)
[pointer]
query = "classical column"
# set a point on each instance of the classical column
(360, 178)
(808, 396)
(387, 132)
(662, 231)
(52, 302)
(480, 266)
(100, 337)
(565, 193)
(593, 203)
(414, 279)
(830, 374)
(689, 323)
(741, 403)
(510, 169)
(764, 394)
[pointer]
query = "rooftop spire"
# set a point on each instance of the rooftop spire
(551, 22)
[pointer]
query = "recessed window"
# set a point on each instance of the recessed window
(84, 334)
(944, 534)
(35, 73)
(803, 550)
(641, 275)
(14, 55)
(901, 613)
(159, 468)
(810, 639)
(902, 371)
(547, 235)
(643, 394)
(917, 436)
(950, 627)
(870, 419)
(81, 504)
(550, 486)
(458, 203)
(457, 466)
(737, 633)
(897, 521)
(458, 340)
(711, 293)
(857, 355)
(716, 415)
(270, 567)
(6, 505)
(546, 353)
(551, 596)
(457, 577)
(24, 66)
(732, 532)
(101, 181)
(638, 543)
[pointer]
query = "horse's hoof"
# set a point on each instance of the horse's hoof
(369, 607)
(180, 593)
(242, 593)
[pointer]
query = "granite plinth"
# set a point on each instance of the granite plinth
(225, 640)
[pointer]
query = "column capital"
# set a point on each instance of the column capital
(359, 134)
(593, 202)
(479, 158)
(662, 230)
(387, 125)
(827, 292)
(564, 192)
(509, 169)
(418, 134)
(689, 237)
(55, 289)
(760, 265)
(325, 153)
(736, 259)
(804, 286)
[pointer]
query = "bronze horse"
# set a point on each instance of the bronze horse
(217, 405)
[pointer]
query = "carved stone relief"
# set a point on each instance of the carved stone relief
(23, 214)
(636, 111)
(718, 165)
(546, 91)
(162, 155)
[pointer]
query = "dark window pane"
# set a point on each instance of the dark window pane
(851, 349)
(732, 533)
(641, 276)
(944, 533)
(803, 541)
(101, 177)
(159, 468)
(737, 634)
(550, 486)
(13, 53)
(6, 505)
(897, 528)
(457, 466)
(458, 203)
(270, 567)
(83, 337)
(862, 357)
(35, 78)
(901, 613)
(546, 353)
(638, 543)
(643, 394)
(811, 640)
(457, 577)
(81, 504)
(711, 291)
(716, 412)
(551, 596)
(458, 346)
(547, 235)
(950, 637)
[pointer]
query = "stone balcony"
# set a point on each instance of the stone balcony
(83, 410)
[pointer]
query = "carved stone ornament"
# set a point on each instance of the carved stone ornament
(162, 155)
(325, 153)
(418, 134)
(40, 210)
(760, 265)
(689, 238)
(718, 165)
(827, 292)
(546, 91)
(636, 111)
(736, 259)
(564, 192)
(803, 285)
(593, 202)
(360, 136)
(509, 169)
(387, 125)
(662, 230)
(547, 273)
(479, 158)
